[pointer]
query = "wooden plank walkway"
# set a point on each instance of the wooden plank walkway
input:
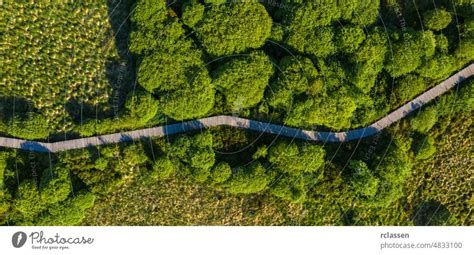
(254, 125)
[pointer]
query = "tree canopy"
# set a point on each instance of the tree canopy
(437, 19)
(243, 80)
(225, 29)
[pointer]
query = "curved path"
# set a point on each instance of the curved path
(246, 124)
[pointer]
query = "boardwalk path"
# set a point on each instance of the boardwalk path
(246, 124)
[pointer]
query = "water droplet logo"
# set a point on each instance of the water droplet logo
(19, 239)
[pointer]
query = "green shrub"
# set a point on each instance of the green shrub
(243, 80)
(34, 126)
(363, 181)
(233, 28)
(28, 203)
(221, 172)
(192, 13)
(53, 55)
(425, 120)
(290, 188)
(349, 38)
(294, 160)
(55, 185)
(437, 19)
(71, 212)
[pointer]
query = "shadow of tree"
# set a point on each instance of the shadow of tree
(119, 69)
(431, 213)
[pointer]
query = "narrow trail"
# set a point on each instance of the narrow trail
(254, 125)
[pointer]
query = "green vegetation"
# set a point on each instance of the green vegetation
(285, 182)
(437, 19)
(243, 81)
(325, 65)
(226, 29)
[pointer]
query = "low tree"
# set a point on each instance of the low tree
(152, 19)
(293, 159)
(103, 170)
(226, 29)
(248, 179)
(437, 19)
(192, 101)
(407, 88)
(193, 12)
(297, 75)
(363, 181)
(243, 80)
(140, 107)
(149, 14)
(334, 110)
(195, 154)
(221, 172)
(163, 168)
(424, 147)
(438, 67)
(171, 67)
(27, 204)
(321, 42)
(290, 188)
(70, 212)
(391, 168)
(368, 60)
(34, 126)
(425, 120)
(409, 51)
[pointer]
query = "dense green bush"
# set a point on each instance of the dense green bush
(363, 181)
(407, 88)
(334, 111)
(391, 169)
(162, 169)
(221, 172)
(349, 38)
(297, 76)
(172, 68)
(71, 212)
(294, 160)
(33, 126)
(409, 51)
(243, 80)
(248, 179)
(55, 185)
(140, 107)
(437, 19)
(424, 147)
(27, 204)
(195, 155)
(425, 120)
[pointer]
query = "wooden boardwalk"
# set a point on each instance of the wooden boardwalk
(246, 124)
